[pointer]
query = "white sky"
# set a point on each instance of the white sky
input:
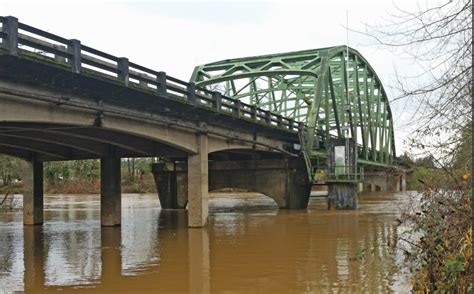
(175, 36)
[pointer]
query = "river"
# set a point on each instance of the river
(249, 246)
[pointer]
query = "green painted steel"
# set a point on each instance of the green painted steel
(334, 91)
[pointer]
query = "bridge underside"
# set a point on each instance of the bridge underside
(54, 142)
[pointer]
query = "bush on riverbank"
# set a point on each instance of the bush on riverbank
(78, 177)
(441, 257)
(143, 184)
(423, 177)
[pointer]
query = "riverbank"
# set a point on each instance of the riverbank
(146, 184)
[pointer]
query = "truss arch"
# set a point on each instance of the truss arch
(333, 90)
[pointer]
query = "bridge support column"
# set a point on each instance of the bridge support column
(171, 185)
(110, 192)
(404, 181)
(32, 192)
(198, 187)
(373, 188)
(385, 181)
(342, 196)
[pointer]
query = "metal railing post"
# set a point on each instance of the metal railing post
(217, 98)
(161, 79)
(10, 27)
(291, 123)
(123, 70)
(301, 126)
(74, 48)
(268, 117)
(238, 108)
(279, 120)
(191, 89)
(254, 113)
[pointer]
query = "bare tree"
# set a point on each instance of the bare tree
(437, 38)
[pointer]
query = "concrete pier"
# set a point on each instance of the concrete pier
(373, 188)
(32, 192)
(198, 188)
(342, 196)
(384, 181)
(110, 192)
(171, 185)
(404, 181)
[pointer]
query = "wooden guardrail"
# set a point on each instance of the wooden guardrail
(18, 38)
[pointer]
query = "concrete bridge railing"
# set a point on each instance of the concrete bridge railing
(19, 39)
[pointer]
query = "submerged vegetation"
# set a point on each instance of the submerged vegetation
(438, 240)
(441, 257)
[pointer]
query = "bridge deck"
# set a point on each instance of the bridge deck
(30, 54)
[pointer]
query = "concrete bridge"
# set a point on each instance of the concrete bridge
(63, 100)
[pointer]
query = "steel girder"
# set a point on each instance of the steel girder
(334, 91)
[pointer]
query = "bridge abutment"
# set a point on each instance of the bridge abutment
(32, 192)
(110, 192)
(342, 196)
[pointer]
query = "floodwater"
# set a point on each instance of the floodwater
(249, 247)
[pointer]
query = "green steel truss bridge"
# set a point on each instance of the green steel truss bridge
(274, 124)
(307, 100)
(333, 91)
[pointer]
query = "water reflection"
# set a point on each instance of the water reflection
(242, 250)
(33, 252)
(111, 258)
(199, 267)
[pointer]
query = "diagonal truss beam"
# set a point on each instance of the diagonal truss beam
(329, 90)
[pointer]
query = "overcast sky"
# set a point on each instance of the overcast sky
(175, 36)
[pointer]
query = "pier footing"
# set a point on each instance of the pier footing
(342, 196)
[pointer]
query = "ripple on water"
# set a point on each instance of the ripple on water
(249, 246)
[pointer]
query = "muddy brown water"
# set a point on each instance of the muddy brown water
(249, 246)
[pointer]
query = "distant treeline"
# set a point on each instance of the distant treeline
(79, 176)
